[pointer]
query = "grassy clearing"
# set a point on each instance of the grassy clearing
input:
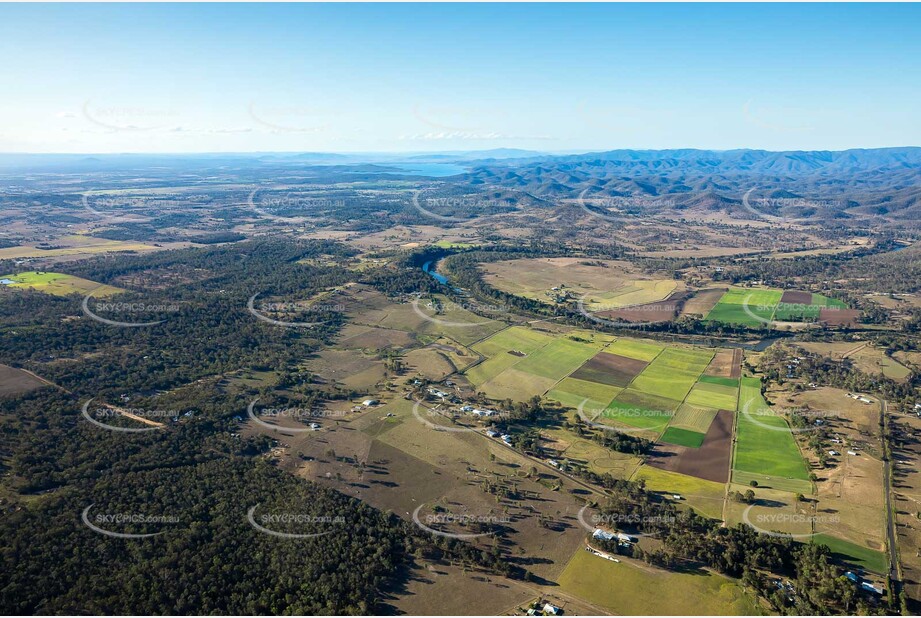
(627, 588)
(593, 456)
(454, 322)
(15, 381)
(705, 497)
(846, 551)
(634, 348)
(764, 442)
(693, 418)
(517, 385)
(59, 284)
(572, 392)
(682, 437)
(710, 395)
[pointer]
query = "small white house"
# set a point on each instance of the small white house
(871, 588)
(833, 453)
(369, 402)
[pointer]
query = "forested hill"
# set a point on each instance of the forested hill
(882, 182)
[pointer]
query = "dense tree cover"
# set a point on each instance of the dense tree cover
(812, 367)
(197, 468)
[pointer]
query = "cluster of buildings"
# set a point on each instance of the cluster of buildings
(860, 398)
(544, 609)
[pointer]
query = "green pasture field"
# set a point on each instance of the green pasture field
(498, 348)
(672, 373)
(518, 338)
(733, 382)
(693, 418)
(736, 314)
(731, 307)
(709, 395)
(870, 559)
(764, 442)
(571, 392)
(751, 296)
(682, 437)
(642, 410)
(558, 359)
(634, 348)
(772, 482)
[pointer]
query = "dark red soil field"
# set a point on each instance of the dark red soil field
(839, 317)
(796, 298)
(709, 462)
(726, 364)
(610, 369)
(661, 311)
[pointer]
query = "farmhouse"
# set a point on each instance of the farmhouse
(603, 535)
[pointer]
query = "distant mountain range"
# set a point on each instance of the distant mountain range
(850, 184)
(879, 185)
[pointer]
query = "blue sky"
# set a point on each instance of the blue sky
(551, 77)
